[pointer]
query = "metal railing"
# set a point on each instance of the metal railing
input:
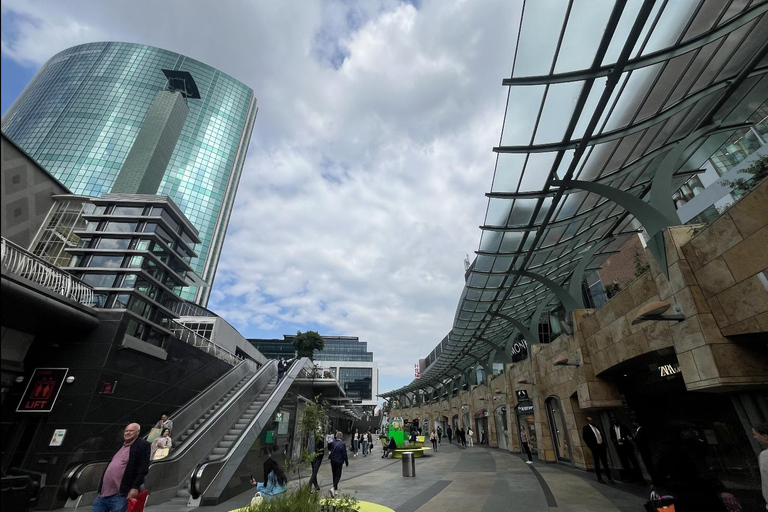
(187, 335)
(23, 263)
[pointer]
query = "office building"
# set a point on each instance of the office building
(345, 357)
(81, 114)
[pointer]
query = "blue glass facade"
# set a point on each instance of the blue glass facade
(81, 113)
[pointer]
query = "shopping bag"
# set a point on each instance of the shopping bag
(659, 503)
(161, 453)
(154, 434)
(137, 504)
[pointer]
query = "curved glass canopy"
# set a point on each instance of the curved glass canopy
(612, 106)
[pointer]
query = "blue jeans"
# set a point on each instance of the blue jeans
(355, 445)
(365, 448)
(114, 503)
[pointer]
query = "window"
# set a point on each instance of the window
(122, 227)
(99, 280)
(106, 261)
(114, 243)
(128, 210)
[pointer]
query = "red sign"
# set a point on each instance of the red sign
(42, 390)
(107, 388)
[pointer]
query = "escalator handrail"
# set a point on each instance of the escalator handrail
(76, 472)
(304, 364)
(204, 394)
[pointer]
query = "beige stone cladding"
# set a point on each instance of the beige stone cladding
(717, 275)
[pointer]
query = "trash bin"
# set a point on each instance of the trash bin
(409, 464)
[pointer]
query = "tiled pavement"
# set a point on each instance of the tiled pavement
(477, 479)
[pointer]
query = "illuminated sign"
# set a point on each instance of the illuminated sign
(42, 390)
(107, 388)
(58, 437)
(416, 371)
(667, 370)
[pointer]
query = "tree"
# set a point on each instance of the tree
(306, 343)
(758, 171)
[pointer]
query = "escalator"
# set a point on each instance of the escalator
(214, 429)
(268, 433)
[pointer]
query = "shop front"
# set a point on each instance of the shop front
(481, 426)
(526, 423)
(697, 433)
(558, 430)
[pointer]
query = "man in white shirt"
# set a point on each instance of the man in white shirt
(595, 441)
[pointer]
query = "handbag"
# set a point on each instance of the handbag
(659, 503)
(137, 504)
(256, 500)
(161, 453)
(153, 434)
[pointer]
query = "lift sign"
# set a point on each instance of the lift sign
(42, 390)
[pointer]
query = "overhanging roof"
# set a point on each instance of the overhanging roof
(611, 108)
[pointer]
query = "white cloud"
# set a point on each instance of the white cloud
(364, 183)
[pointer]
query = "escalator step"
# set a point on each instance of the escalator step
(226, 444)
(219, 451)
(229, 437)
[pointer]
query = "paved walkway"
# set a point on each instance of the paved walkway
(477, 479)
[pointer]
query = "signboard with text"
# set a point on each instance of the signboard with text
(42, 390)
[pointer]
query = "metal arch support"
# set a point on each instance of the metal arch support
(661, 184)
(652, 219)
(574, 288)
(569, 302)
(539, 311)
(531, 338)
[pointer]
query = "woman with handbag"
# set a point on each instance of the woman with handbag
(161, 446)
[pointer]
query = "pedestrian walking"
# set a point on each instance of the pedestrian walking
(338, 458)
(282, 367)
(124, 474)
(449, 431)
(439, 434)
(355, 443)
(370, 441)
(482, 436)
(621, 437)
(317, 461)
(364, 441)
(462, 437)
(433, 438)
(524, 442)
(470, 433)
(595, 441)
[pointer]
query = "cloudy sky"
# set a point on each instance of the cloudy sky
(363, 187)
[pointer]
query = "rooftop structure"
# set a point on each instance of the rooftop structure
(602, 127)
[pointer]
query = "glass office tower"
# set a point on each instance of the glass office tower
(80, 115)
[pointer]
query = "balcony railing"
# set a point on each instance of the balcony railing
(20, 262)
(186, 334)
